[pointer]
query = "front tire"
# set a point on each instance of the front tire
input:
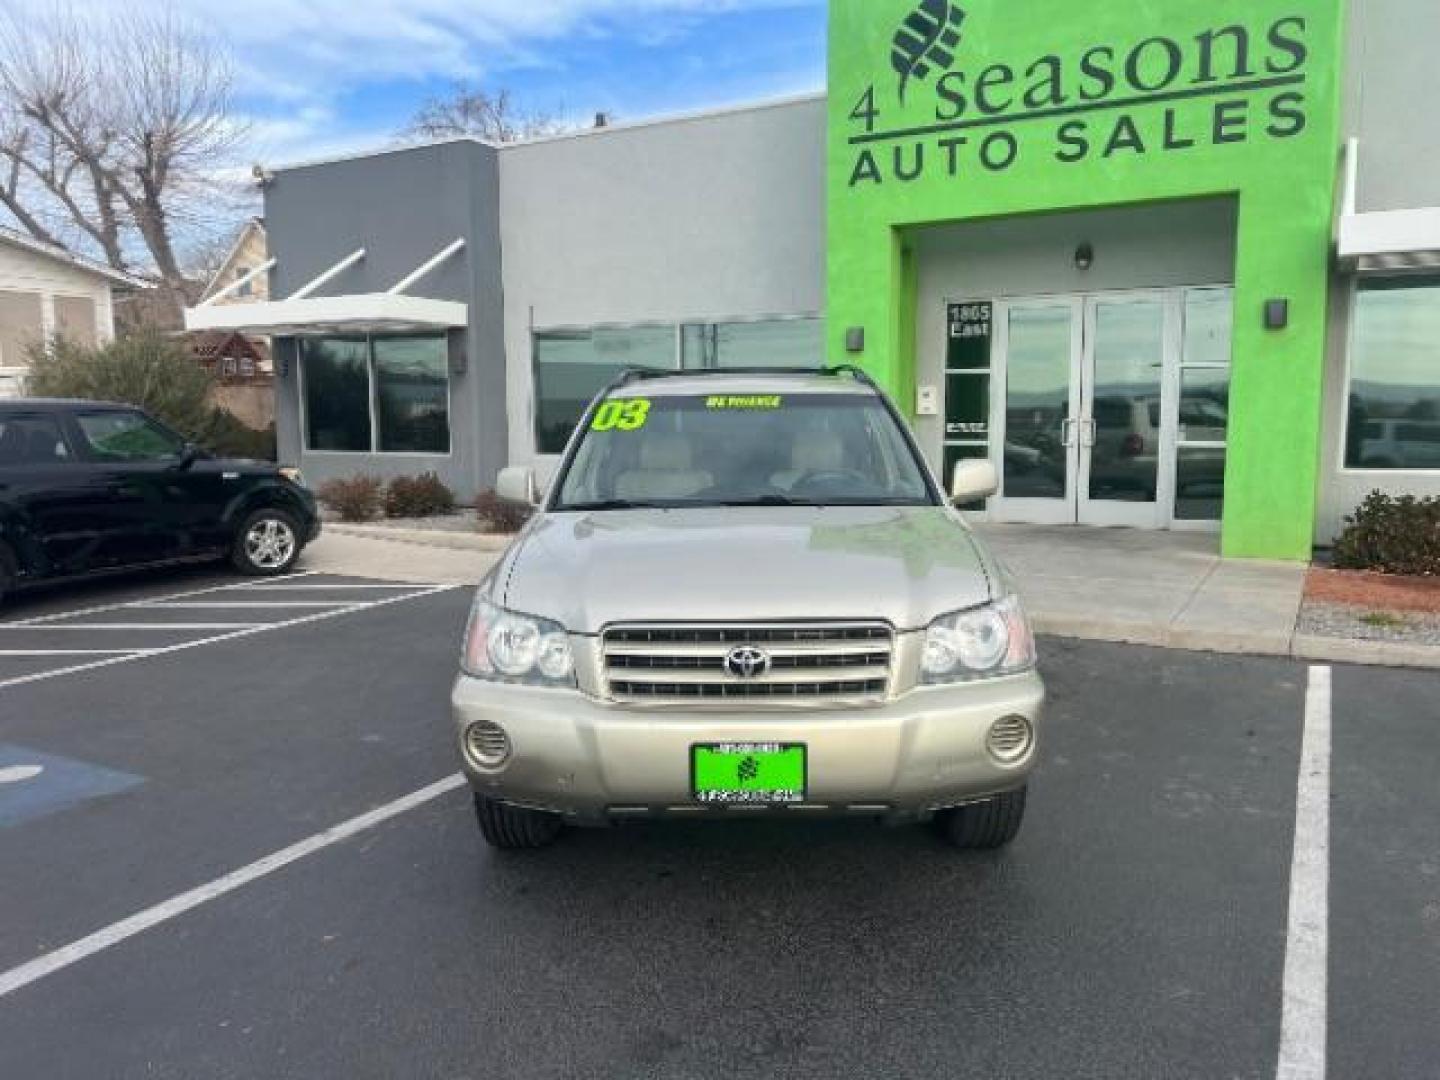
(513, 828)
(267, 544)
(984, 826)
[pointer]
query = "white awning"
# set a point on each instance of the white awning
(1387, 241)
(361, 313)
(356, 314)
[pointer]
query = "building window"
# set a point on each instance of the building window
(1393, 399)
(412, 395)
(1204, 431)
(774, 343)
(572, 366)
(384, 395)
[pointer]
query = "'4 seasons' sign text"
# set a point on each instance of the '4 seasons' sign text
(1224, 85)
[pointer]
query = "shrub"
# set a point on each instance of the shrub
(231, 438)
(155, 372)
(147, 369)
(1392, 534)
(418, 496)
(499, 515)
(358, 498)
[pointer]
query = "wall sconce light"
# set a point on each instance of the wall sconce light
(1084, 256)
(855, 339)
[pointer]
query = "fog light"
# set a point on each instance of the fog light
(1010, 739)
(486, 745)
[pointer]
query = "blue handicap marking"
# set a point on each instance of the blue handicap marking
(33, 784)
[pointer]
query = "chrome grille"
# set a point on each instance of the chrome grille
(807, 662)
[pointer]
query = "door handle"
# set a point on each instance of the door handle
(1067, 432)
(1088, 438)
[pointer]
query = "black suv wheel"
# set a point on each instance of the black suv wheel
(267, 544)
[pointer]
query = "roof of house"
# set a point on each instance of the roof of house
(251, 225)
(78, 262)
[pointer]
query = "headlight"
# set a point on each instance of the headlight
(978, 644)
(505, 646)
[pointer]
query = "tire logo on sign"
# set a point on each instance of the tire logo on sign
(747, 662)
(926, 40)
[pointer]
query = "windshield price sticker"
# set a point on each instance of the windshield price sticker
(627, 414)
(754, 401)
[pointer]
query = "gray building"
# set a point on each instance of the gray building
(452, 307)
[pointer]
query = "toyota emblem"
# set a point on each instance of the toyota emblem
(747, 662)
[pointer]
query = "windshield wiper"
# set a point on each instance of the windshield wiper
(767, 500)
(610, 504)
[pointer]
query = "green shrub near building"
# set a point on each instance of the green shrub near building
(1392, 534)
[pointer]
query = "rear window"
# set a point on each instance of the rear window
(32, 440)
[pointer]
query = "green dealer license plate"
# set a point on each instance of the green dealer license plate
(748, 774)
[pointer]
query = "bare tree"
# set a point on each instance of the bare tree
(112, 132)
(480, 113)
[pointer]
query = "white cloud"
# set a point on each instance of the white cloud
(312, 48)
(297, 59)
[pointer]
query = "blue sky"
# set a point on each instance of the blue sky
(312, 90)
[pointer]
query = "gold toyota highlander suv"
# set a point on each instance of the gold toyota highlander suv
(745, 593)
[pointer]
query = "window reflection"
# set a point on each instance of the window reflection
(1394, 396)
(412, 395)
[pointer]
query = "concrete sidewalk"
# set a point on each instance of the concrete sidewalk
(1172, 590)
(1150, 588)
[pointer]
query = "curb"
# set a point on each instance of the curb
(1296, 647)
(435, 538)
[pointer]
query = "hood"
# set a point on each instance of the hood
(902, 564)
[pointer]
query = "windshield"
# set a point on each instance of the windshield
(743, 450)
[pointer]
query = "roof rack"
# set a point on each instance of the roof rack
(638, 374)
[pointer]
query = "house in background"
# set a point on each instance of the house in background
(241, 364)
(244, 378)
(48, 292)
(241, 277)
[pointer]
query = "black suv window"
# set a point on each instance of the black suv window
(31, 440)
(128, 436)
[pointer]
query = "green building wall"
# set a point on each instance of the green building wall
(947, 111)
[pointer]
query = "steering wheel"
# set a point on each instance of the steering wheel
(831, 478)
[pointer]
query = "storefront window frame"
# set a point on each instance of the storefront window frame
(677, 361)
(1418, 279)
(373, 401)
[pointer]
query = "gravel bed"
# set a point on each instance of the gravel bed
(1347, 621)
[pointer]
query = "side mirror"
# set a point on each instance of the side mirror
(189, 455)
(517, 484)
(973, 481)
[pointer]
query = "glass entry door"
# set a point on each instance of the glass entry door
(1083, 404)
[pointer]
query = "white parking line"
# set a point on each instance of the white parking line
(1303, 1021)
(61, 958)
(281, 586)
(69, 652)
(136, 626)
(419, 591)
(119, 605)
(188, 604)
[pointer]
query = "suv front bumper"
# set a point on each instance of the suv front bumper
(597, 762)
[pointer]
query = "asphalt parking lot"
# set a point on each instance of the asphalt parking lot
(161, 736)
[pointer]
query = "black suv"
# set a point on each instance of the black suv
(89, 487)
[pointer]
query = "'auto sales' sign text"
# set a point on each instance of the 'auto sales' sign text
(1160, 95)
